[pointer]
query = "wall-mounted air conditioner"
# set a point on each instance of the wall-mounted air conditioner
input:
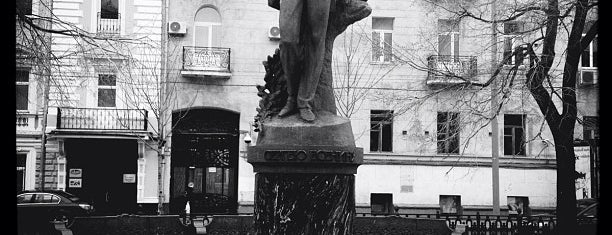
(274, 33)
(177, 28)
(588, 77)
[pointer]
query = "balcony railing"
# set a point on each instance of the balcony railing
(447, 70)
(206, 60)
(102, 119)
(27, 122)
(109, 26)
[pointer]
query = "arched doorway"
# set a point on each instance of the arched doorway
(205, 153)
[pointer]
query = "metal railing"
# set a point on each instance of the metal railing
(451, 67)
(488, 224)
(102, 119)
(206, 59)
(109, 26)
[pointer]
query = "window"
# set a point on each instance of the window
(514, 134)
(589, 55)
(25, 198)
(518, 205)
(21, 88)
(382, 39)
(448, 38)
(21, 168)
(450, 204)
(448, 132)
(381, 203)
(109, 22)
(24, 7)
(109, 9)
(207, 28)
(590, 128)
(513, 38)
(381, 130)
(107, 90)
(46, 198)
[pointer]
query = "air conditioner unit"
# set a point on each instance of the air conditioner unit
(588, 77)
(177, 28)
(274, 33)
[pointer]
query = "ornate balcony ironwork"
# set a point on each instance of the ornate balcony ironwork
(102, 119)
(206, 61)
(448, 70)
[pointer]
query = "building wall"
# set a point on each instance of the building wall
(473, 184)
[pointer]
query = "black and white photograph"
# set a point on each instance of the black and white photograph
(351, 117)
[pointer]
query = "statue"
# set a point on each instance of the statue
(308, 78)
(305, 164)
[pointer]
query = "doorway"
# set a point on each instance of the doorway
(204, 158)
(103, 173)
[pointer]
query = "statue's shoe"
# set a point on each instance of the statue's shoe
(307, 115)
(289, 109)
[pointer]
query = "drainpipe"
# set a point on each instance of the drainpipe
(494, 124)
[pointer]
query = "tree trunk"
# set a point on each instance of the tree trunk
(566, 188)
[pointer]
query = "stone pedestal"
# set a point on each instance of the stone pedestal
(304, 182)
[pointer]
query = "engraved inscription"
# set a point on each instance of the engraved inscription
(308, 156)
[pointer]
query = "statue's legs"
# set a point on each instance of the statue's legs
(317, 14)
(289, 49)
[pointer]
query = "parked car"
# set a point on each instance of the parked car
(44, 206)
(586, 216)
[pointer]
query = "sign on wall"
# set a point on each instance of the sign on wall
(75, 173)
(583, 166)
(75, 183)
(129, 178)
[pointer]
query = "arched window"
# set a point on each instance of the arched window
(207, 28)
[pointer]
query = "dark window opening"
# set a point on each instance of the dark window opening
(24, 7)
(107, 94)
(106, 98)
(381, 203)
(518, 205)
(22, 78)
(590, 128)
(448, 132)
(107, 80)
(450, 204)
(109, 9)
(514, 134)
(381, 130)
(21, 168)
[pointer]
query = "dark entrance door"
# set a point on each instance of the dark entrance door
(103, 164)
(205, 155)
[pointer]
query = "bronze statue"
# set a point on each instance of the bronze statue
(308, 29)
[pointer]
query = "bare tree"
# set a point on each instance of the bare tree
(533, 71)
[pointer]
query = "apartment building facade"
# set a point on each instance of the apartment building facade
(102, 66)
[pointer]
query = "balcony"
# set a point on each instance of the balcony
(450, 70)
(109, 25)
(102, 119)
(206, 62)
(27, 123)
